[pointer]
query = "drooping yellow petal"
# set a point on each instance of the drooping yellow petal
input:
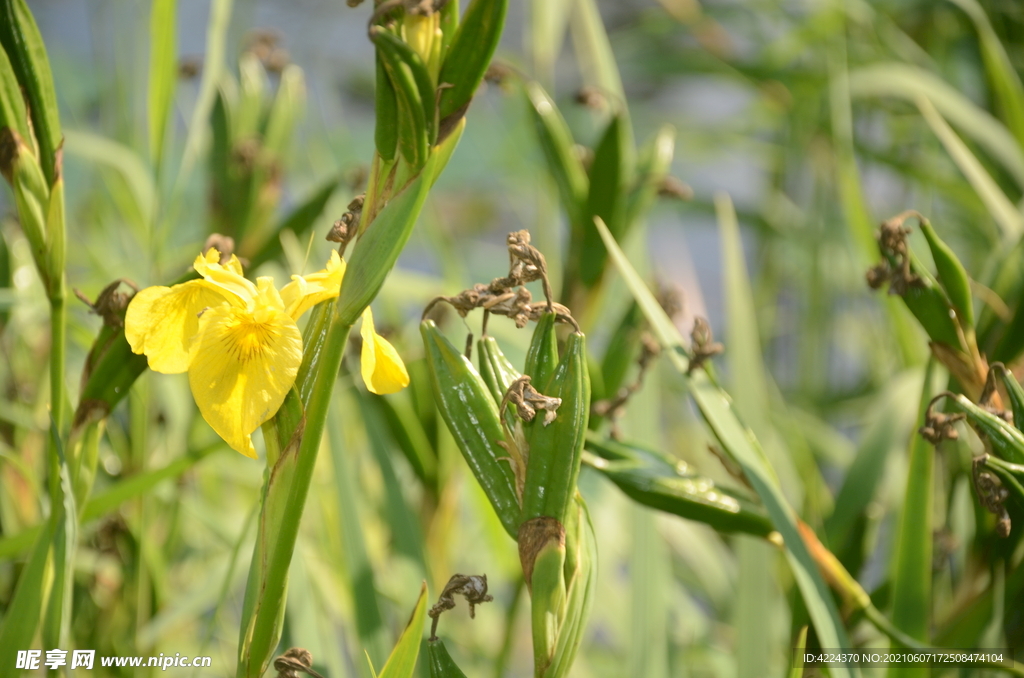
(304, 292)
(163, 321)
(382, 367)
(243, 364)
(228, 277)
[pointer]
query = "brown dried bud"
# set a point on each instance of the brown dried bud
(878, 275)
(673, 187)
(498, 73)
(294, 662)
(527, 400)
(110, 304)
(189, 67)
(938, 426)
(992, 495)
(585, 155)
(703, 344)
(591, 97)
(224, 244)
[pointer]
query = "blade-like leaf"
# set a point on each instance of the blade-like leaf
(24, 613)
(600, 70)
(163, 73)
(1009, 218)
(736, 439)
(912, 581)
(909, 83)
(1006, 84)
(213, 68)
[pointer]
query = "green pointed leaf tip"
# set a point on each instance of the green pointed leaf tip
(604, 200)
(557, 144)
(952, 276)
(402, 662)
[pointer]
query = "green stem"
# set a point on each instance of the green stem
(285, 490)
(58, 336)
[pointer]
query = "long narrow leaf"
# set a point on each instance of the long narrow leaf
(1009, 218)
(912, 581)
(213, 67)
(163, 73)
(717, 409)
(909, 83)
(1005, 82)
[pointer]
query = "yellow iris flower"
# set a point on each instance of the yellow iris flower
(239, 341)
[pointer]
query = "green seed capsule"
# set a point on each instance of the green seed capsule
(666, 484)
(441, 663)
(1007, 441)
(449, 25)
(412, 126)
(1014, 391)
(13, 113)
(930, 306)
(495, 369)
(31, 197)
(21, 40)
(399, 54)
(386, 105)
(952, 275)
(470, 54)
(556, 449)
(468, 409)
(542, 356)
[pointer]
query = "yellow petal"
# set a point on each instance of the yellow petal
(304, 292)
(228, 277)
(234, 265)
(242, 366)
(162, 322)
(382, 367)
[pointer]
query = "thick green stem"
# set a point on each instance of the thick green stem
(284, 500)
(58, 336)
